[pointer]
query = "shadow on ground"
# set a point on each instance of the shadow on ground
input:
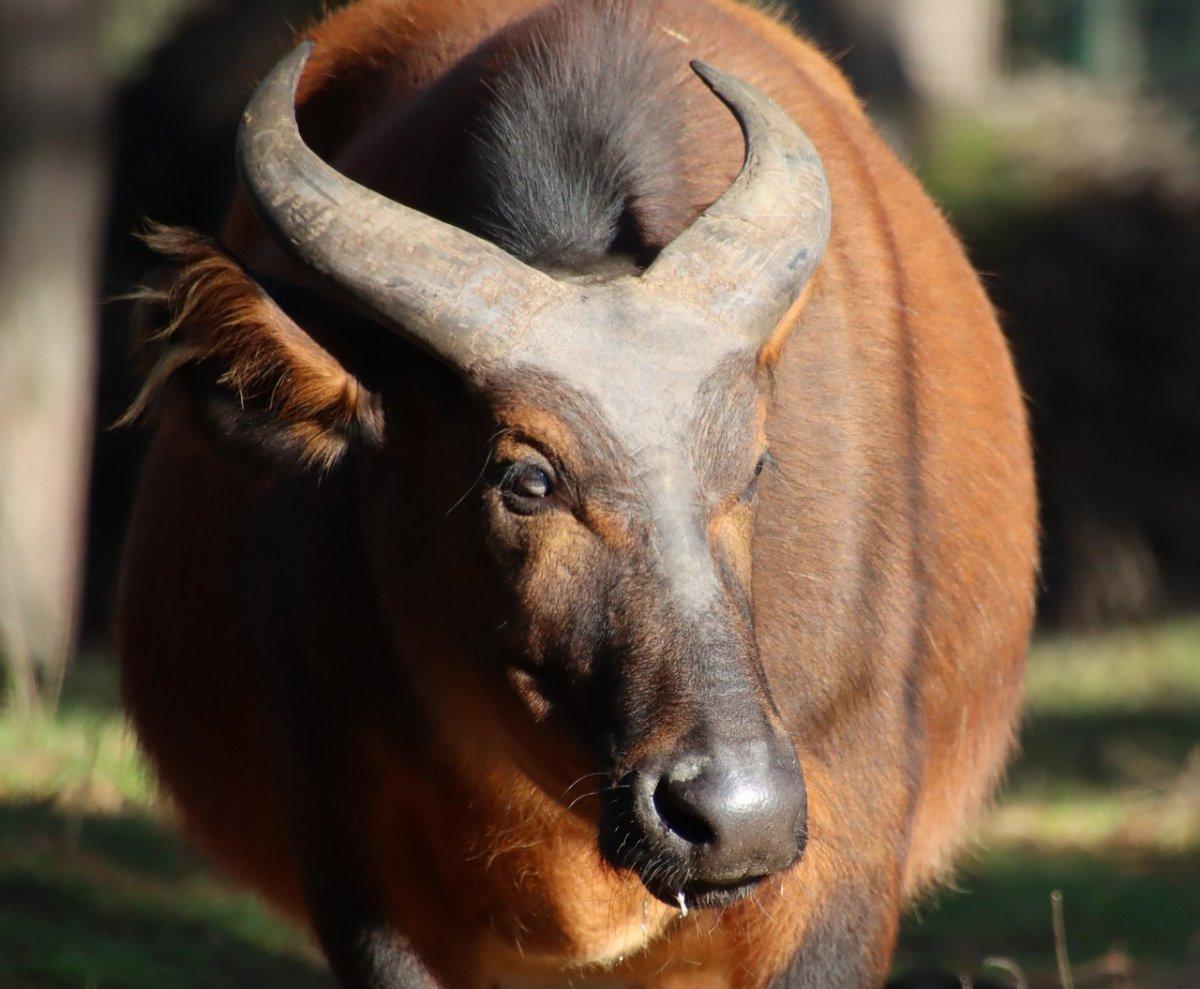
(1145, 910)
(1114, 749)
(1131, 905)
(114, 901)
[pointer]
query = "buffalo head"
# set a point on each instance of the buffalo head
(627, 417)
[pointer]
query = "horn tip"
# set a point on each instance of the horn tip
(732, 91)
(291, 66)
(299, 56)
(282, 81)
(711, 76)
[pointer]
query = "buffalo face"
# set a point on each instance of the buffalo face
(619, 508)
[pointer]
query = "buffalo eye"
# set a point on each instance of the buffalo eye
(527, 487)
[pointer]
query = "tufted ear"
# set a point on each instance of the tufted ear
(260, 380)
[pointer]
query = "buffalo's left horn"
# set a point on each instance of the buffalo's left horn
(747, 258)
(461, 298)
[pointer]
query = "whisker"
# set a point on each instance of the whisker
(600, 772)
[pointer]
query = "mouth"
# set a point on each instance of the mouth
(675, 883)
(682, 862)
(698, 895)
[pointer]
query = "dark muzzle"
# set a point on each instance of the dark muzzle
(704, 824)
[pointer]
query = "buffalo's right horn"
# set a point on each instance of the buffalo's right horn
(459, 297)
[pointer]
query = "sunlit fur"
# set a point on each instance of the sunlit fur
(339, 634)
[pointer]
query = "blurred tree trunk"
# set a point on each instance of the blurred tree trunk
(952, 50)
(53, 165)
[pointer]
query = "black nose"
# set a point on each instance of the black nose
(714, 822)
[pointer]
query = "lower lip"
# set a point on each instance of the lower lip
(703, 896)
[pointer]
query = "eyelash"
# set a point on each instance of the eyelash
(766, 460)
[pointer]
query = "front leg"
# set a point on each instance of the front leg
(347, 914)
(363, 951)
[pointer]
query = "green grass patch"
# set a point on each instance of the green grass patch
(96, 889)
(1102, 803)
(85, 753)
(1147, 670)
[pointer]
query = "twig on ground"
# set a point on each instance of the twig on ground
(1060, 941)
(1009, 966)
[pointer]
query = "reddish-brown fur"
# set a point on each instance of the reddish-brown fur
(893, 565)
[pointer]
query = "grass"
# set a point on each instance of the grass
(1103, 804)
(95, 888)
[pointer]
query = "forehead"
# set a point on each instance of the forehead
(650, 374)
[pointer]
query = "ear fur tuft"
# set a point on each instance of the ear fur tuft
(275, 386)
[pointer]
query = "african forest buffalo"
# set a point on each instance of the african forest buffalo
(584, 540)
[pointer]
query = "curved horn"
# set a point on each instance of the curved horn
(748, 256)
(459, 297)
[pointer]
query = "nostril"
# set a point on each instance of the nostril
(680, 817)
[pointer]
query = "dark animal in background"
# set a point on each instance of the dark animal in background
(554, 562)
